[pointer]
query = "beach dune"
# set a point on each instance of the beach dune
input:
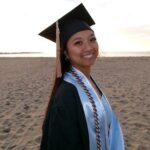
(25, 85)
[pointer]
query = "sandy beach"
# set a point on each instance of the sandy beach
(25, 85)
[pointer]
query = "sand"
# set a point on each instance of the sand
(25, 85)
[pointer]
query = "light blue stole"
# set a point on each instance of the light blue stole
(111, 136)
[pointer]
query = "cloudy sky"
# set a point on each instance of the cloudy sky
(121, 25)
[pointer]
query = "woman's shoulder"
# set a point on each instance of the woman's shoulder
(66, 88)
(66, 85)
(66, 93)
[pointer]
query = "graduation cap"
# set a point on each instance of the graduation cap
(60, 31)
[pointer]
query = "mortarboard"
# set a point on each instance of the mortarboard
(60, 31)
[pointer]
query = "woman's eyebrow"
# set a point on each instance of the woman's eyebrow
(92, 34)
(79, 38)
(76, 38)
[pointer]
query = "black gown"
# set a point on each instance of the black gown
(65, 126)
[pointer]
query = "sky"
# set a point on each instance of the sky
(121, 25)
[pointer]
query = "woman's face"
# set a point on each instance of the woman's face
(82, 49)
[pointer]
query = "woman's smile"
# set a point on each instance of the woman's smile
(89, 55)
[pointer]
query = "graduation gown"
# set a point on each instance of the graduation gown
(65, 126)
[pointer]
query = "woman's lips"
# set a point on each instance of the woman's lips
(89, 55)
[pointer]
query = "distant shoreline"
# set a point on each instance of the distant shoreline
(24, 54)
(103, 54)
(125, 54)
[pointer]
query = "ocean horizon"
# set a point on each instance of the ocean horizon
(103, 54)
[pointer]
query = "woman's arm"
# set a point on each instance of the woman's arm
(61, 129)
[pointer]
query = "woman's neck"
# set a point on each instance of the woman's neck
(85, 70)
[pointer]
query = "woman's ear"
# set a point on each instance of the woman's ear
(66, 54)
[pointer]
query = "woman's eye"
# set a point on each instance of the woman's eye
(93, 39)
(78, 43)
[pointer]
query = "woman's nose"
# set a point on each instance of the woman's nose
(88, 46)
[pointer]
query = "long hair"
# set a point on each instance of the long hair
(65, 66)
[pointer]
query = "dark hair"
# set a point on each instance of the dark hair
(65, 66)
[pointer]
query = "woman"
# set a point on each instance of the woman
(78, 116)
